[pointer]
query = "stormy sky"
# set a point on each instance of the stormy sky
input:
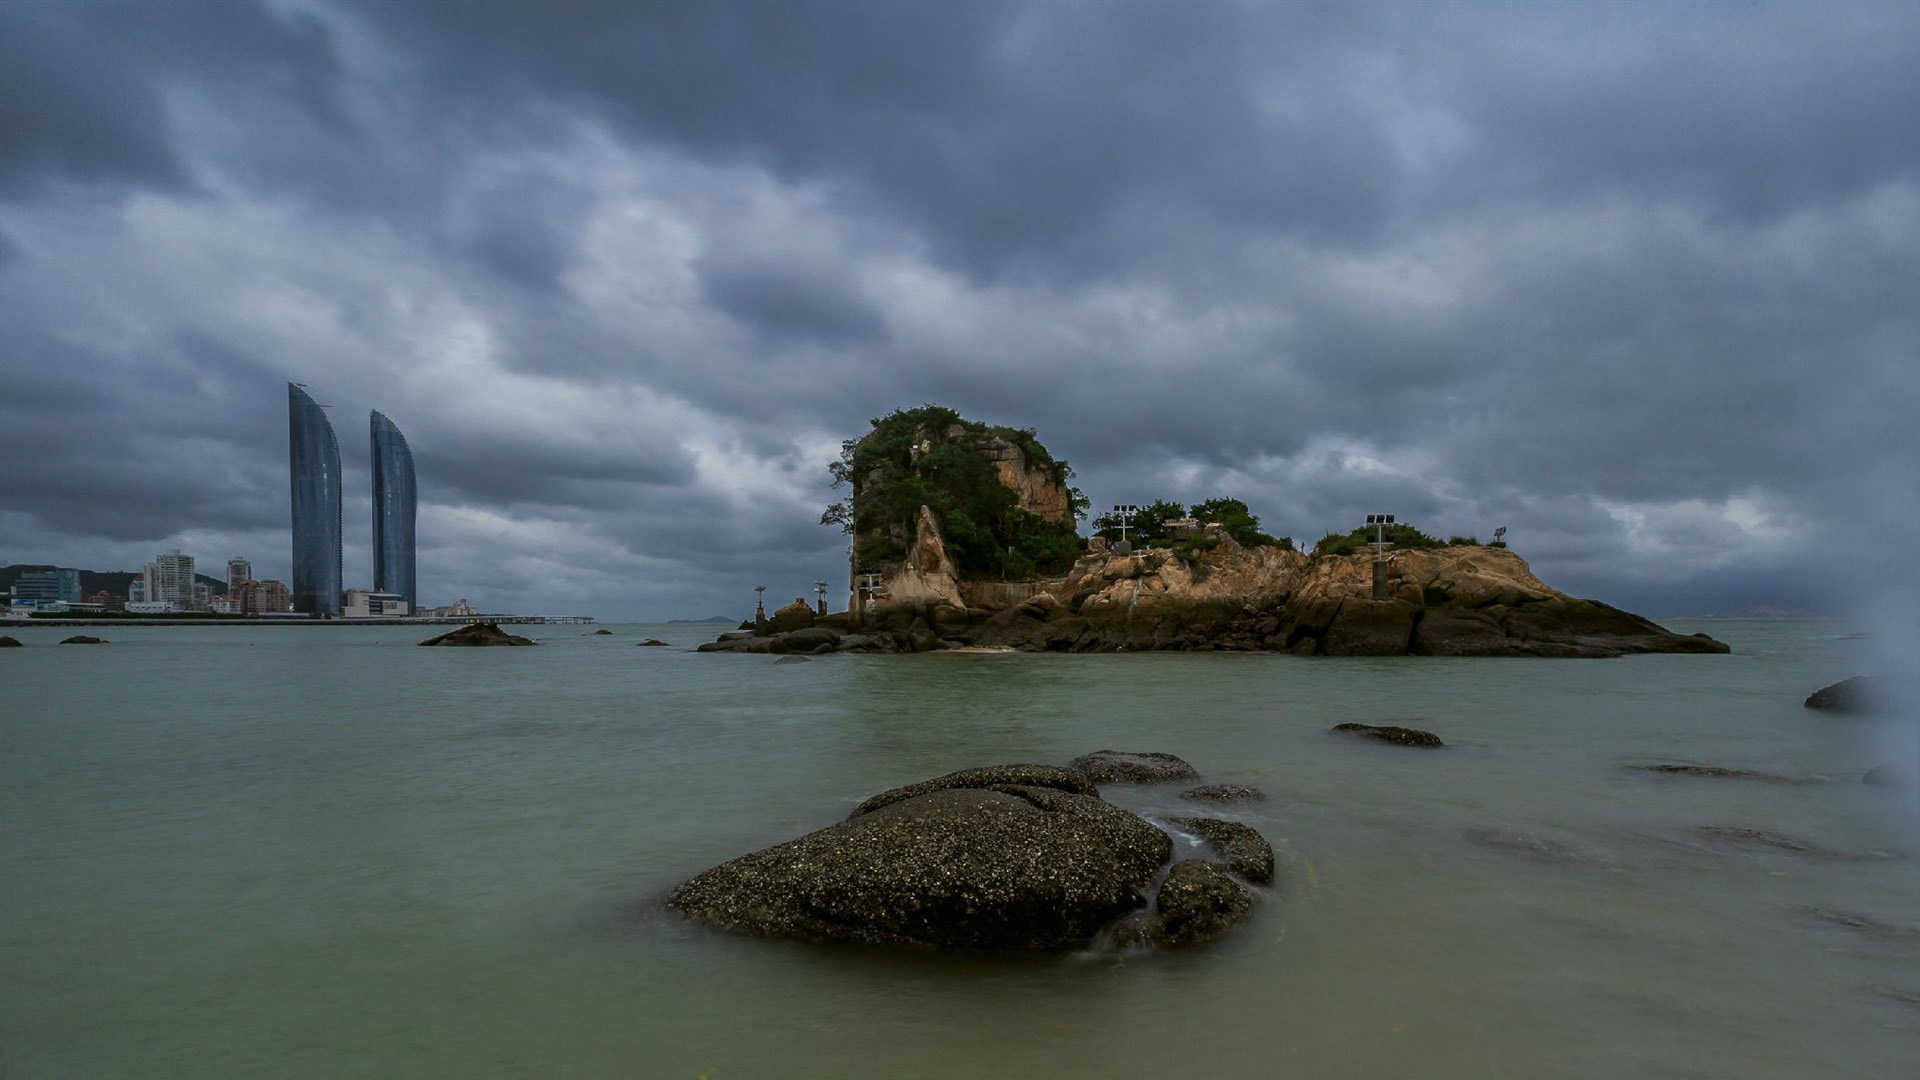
(1640, 281)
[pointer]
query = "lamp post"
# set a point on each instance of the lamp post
(1380, 523)
(1124, 513)
(820, 589)
(759, 607)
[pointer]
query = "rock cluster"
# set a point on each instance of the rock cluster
(1008, 857)
(1453, 601)
(479, 634)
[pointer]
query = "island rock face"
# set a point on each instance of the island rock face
(1451, 601)
(479, 634)
(945, 865)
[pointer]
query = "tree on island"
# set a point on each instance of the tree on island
(1148, 525)
(933, 457)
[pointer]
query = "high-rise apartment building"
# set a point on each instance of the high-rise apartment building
(313, 469)
(394, 506)
(172, 579)
(239, 572)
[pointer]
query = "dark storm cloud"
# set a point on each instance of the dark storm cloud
(626, 273)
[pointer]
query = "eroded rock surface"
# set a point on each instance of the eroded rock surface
(479, 634)
(1223, 793)
(1127, 767)
(1244, 851)
(1393, 733)
(1011, 867)
(1198, 902)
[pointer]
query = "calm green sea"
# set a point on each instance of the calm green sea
(325, 852)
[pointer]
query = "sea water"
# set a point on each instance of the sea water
(321, 851)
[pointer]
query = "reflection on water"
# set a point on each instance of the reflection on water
(321, 851)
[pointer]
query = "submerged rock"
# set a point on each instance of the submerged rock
(1224, 793)
(1197, 903)
(1714, 771)
(1862, 924)
(1860, 694)
(1399, 736)
(652, 643)
(603, 632)
(791, 660)
(1124, 767)
(1741, 836)
(83, 639)
(479, 634)
(1529, 845)
(1246, 852)
(9, 643)
(1006, 867)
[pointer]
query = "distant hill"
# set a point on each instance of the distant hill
(708, 619)
(92, 581)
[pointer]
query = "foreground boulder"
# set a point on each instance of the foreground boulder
(479, 634)
(1399, 736)
(83, 639)
(1126, 767)
(9, 643)
(1860, 694)
(1006, 867)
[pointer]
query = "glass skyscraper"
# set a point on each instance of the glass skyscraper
(313, 468)
(393, 510)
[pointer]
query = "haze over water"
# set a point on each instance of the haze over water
(324, 852)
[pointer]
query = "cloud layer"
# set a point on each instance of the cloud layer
(1640, 284)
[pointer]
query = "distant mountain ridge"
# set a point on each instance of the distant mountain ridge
(93, 581)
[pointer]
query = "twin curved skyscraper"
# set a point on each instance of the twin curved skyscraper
(313, 470)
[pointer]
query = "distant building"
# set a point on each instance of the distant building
(239, 572)
(313, 470)
(172, 581)
(137, 588)
(202, 597)
(368, 604)
(262, 597)
(106, 601)
(149, 607)
(48, 585)
(394, 506)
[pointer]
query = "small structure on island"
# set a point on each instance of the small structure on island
(759, 606)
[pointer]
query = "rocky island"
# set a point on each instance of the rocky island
(969, 533)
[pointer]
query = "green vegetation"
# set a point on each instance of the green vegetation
(1399, 535)
(1148, 527)
(1463, 541)
(929, 457)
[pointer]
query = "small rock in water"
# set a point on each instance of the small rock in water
(1889, 776)
(1124, 767)
(1399, 736)
(9, 643)
(791, 660)
(83, 639)
(485, 633)
(652, 642)
(1197, 903)
(1246, 852)
(1763, 838)
(1865, 924)
(1716, 772)
(1542, 848)
(603, 631)
(1860, 694)
(1224, 793)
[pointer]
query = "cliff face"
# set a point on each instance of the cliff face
(1041, 490)
(1455, 601)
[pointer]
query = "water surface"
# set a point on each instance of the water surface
(324, 852)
